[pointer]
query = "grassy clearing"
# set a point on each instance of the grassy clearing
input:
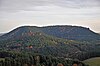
(93, 61)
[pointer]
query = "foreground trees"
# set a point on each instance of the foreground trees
(29, 59)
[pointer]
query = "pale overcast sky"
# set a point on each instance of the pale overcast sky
(14, 13)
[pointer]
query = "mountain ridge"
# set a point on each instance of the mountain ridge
(60, 31)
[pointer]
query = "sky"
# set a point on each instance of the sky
(14, 13)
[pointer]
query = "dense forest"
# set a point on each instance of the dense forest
(29, 59)
(48, 46)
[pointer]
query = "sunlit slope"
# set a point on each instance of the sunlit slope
(93, 61)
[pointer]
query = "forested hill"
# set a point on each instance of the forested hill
(66, 32)
(72, 32)
(60, 41)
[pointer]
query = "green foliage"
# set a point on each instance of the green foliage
(29, 59)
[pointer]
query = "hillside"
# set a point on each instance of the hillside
(93, 61)
(71, 32)
(66, 32)
(60, 41)
(19, 32)
(41, 43)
